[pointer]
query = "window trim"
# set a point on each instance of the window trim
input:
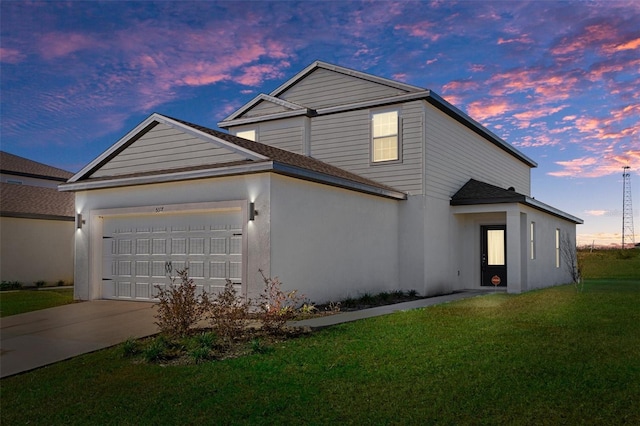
(557, 247)
(532, 240)
(373, 113)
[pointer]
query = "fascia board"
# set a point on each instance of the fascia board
(424, 94)
(305, 174)
(149, 121)
(114, 148)
(552, 210)
(319, 64)
(270, 117)
(166, 177)
(261, 98)
(460, 116)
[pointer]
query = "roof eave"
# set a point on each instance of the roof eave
(440, 103)
(305, 174)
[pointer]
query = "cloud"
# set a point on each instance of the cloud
(11, 56)
(59, 44)
(596, 212)
(423, 29)
(488, 108)
(593, 167)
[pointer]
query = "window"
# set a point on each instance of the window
(557, 248)
(385, 141)
(532, 240)
(247, 134)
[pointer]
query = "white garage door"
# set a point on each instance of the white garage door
(142, 252)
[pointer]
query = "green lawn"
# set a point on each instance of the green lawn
(21, 301)
(608, 264)
(554, 356)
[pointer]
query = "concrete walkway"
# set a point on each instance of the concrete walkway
(329, 320)
(39, 338)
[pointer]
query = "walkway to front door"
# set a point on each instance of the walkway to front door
(494, 255)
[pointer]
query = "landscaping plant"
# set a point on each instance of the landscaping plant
(179, 306)
(276, 306)
(228, 313)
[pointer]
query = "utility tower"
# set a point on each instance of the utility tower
(627, 209)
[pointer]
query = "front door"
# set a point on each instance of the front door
(494, 256)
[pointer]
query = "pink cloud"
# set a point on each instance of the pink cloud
(424, 29)
(533, 114)
(607, 163)
(524, 39)
(58, 44)
(11, 56)
(624, 45)
(487, 108)
(460, 86)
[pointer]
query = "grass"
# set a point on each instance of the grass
(610, 264)
(554, 356)
(21, 301)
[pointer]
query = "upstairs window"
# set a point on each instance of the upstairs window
(385, 136)
(247, 134)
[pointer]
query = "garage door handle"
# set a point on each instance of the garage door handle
(107, 279)
(237, 235)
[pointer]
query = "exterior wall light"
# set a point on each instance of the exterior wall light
(79, 221)
(252, 211)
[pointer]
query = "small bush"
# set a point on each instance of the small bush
(228, 313)
(156, 350)
(130, 348)
(200, 354)
(60, 283)
(206, 340)
(40, 283)
(10, 285)
(276, 306)
(179, 307)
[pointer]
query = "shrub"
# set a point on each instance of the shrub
(156, 350)
(40, 283)
(130, 348)
(179, 307)
(276, 306)
(10, 285)
(60, 283)
(228, 313)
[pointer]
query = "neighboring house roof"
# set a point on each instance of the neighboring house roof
(20, 166)
(259, 158)
(410, 93)
(475, 192)
(35, 202)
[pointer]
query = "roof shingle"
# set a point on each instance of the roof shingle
(13, 164)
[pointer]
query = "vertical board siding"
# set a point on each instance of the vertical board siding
(325, 88)
(343, 140)
(454, 154)
(165, 148)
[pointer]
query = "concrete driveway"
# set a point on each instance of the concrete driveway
(39, 338)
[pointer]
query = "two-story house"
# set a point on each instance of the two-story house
(338, 182)
(36, 222)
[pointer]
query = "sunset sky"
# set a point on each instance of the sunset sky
(560, 80)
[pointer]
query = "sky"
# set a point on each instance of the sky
(559, 80)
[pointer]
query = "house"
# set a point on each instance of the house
(36, 222)
(338, 182)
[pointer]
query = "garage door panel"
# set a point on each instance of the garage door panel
(142, 252)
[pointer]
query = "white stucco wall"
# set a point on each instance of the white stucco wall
(36, 250)
(523, 272)
(331, 243)
(146, 198)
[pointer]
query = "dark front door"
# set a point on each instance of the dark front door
(494, 255)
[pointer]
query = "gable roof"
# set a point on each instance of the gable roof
(258, 158)
(475, 192)
(409, 93)
(35, 202)
(20, 166)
